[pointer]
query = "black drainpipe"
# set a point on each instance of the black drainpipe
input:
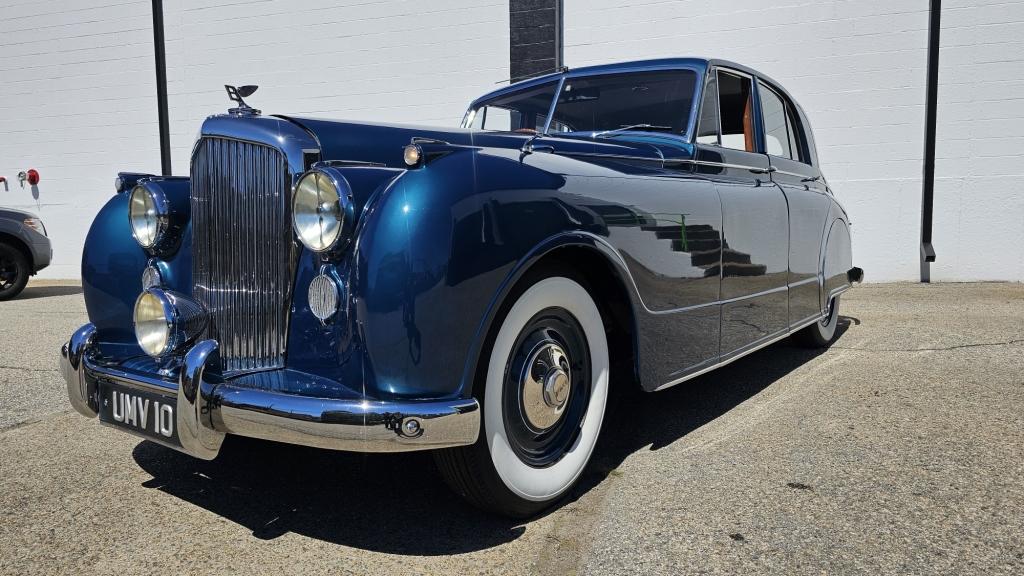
(161, 86)
(931, 105)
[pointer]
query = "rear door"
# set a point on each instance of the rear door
(788, 151)
(755, 227)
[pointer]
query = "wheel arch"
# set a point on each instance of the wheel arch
(836, 260)
(607, 279)
(19, 245)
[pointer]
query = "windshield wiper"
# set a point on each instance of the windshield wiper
(632, 127)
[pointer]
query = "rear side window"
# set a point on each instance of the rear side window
(780, 128)
(736, 111)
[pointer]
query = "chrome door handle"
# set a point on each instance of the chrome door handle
(530, 148)
(767, 170)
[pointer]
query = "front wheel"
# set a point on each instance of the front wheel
(14, 271)
(543, 399)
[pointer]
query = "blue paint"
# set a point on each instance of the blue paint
(438, 248)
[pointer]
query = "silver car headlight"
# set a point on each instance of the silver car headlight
(165, 321)
(322, 210)
(148, 214)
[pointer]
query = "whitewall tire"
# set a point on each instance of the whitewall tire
(543, 394)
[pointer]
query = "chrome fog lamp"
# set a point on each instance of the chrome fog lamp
(148, 213)
(322, 210)
(166, 321)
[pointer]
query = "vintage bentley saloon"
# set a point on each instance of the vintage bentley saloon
(476, 291)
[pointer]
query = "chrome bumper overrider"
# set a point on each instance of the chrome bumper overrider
(207, 411)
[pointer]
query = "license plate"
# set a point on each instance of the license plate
(145, 413)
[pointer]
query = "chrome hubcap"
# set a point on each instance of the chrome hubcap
(545, 385)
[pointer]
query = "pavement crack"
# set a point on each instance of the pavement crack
(27, 369)
(939, 349)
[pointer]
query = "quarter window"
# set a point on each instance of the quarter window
(525, 111)
(780, 129)
(736, 111)
(707, 126)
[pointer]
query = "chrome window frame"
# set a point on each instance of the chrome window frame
(755, 103)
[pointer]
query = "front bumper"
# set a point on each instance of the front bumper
(207, 411)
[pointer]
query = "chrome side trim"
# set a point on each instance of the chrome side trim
(805, 281)
(754, 295)
(725, 165)
(739, 355)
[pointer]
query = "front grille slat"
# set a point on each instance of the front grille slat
(243, 257)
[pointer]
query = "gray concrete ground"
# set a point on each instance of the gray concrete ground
(900, 450)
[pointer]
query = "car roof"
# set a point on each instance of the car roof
(700, 65)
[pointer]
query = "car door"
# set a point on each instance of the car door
(755, 226)
(788, 151)
(663, 220)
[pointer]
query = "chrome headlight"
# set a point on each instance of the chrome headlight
(148, 214)
(165, 321)
(322, 210)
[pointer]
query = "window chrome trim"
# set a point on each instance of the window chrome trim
(554, 103)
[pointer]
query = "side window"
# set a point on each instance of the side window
(736, 111)
(776, 134)
(707, 125)
(522, 111)
(781, 131)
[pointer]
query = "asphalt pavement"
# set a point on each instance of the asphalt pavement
(899, 450)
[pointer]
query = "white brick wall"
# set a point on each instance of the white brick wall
(77, 103)
(384, 60)
(78, 98)
(979, 199)
(78, 88)
(859, 70)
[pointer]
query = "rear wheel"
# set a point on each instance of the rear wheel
(543, 397)
(14, 271)
(823, 332)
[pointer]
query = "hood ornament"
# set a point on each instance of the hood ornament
(236, 95)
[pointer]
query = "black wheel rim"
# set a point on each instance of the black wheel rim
(9, 273)
(551, 350)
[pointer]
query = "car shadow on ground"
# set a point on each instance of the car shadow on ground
(31, 291)
(397, 503)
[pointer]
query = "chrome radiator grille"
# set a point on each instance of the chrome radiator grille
(243, 255)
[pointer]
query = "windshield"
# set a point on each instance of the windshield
(641, 101)
(601, 106)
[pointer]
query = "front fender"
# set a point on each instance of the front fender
(112, 265)
(434, 255)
